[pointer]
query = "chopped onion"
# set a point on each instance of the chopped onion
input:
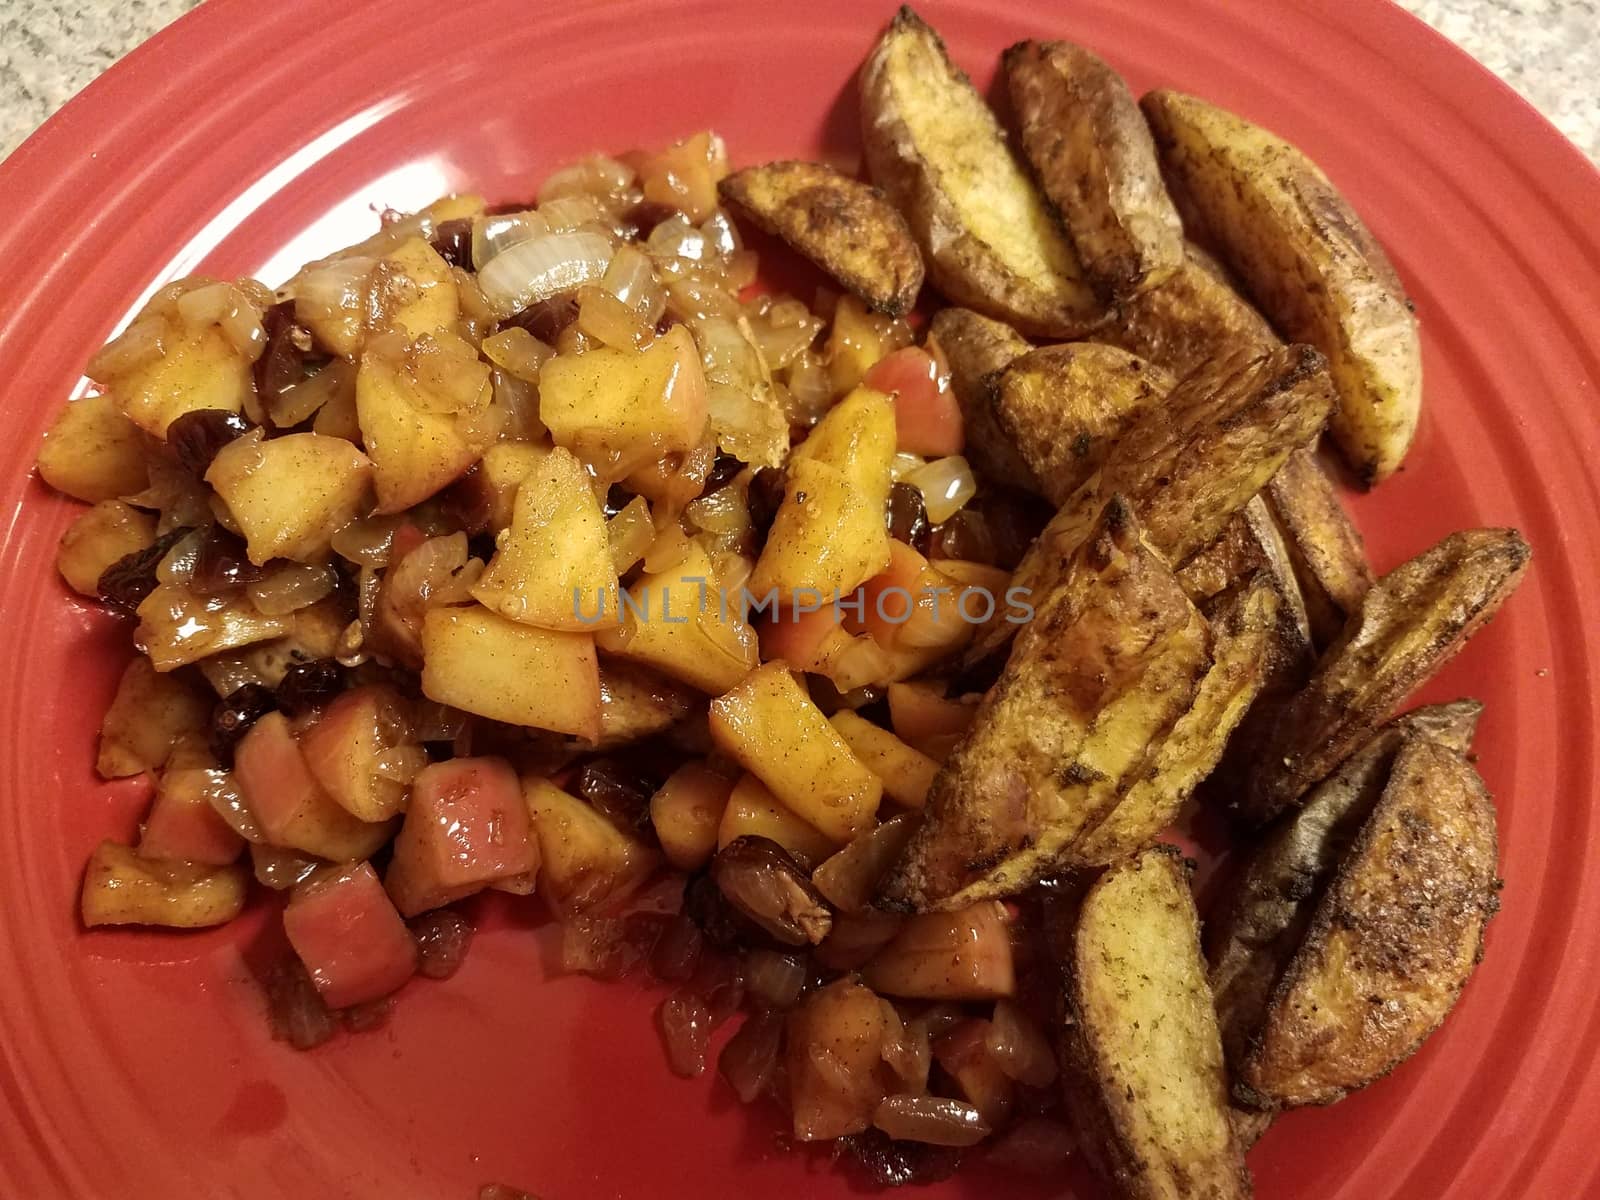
(367, 541)
(301, 401)
(749, 1062)
(571, 211)
(723, 511)
(946, 485)
(722, 236)
(334, 290)
(596, 175)
(631, 278)
(177, 566)
(773, 980)
(223, 794)
(281, 869)
(676, 237)
(902, 464)
(291, 587)
(931, 1119)
(494, 234)
(669, 548)
(1020, 1047)
(609, 321)
(547, 266)
(686, 1031)
(631, 533)
(518, 353)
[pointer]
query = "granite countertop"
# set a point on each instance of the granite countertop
(1549, 50)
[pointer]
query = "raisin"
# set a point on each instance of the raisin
(907, 516)
(126, 582)
(621, 793)
(617, 499)
(760, 879)
(766, 495)
(307, 684)
(722, 472)
(547, 318)
(232, 718)
(453, 241)
(281, 364)
(221, 565)
(197, 436)
(891, 1163)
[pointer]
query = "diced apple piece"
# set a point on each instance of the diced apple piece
(288, 804)
(774, 730)
(343, 749)
(911, 610)
(829, 535)
(834, 1052)
(338, 417)
(553, 566)
(352, 941)
(925, 718)
(676, 621)
(754, 811)
(415, 288)
(290, 494)
(466, 827)
(854, 344)
(626, 400)
(93, 452)
(415, 450)
(121, 887)
(906, 772)
(479, 662)
(148, 715)
(177, 627)
(927, 418)
(686, 812)
(961, 955)
(807, 639)
(849, 879)
(98, 538)
(486, 497)
(585, 860)
(965, 1054)
(183, 823)
(196, 370)
(856, 937)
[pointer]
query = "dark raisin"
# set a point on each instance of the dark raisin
(889, 1163)
(546, 319)
(907, 516)
(617, 499)
(621, 792)
(232, 718)
(453, 241)
(964, 537)
(1013, 519)
(766, 495)
(762, 881)
(281, 364)
(482, 546)
(308, 684)
(722, 471)
(723, 924)
(126, 582)
(197, 436)
(221, 565)
(442, 940)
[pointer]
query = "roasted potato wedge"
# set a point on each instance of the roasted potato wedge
(975, 347)
(1244, 631)
(989, 239)
(1091, 151)
(1189, 466)
(1064, 408)
(1260, 921)
(1307, 260)
(1391, 944)
(1145, 1080)
(1412, 621)
(1110, 662)
(848, 228)
(1190, 319)
(1329, 559)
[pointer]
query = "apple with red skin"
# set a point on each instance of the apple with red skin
(352, 941)
(927, 419)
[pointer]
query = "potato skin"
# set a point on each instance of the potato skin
(1195, 315)
(1330, 560)
(848, 228)
(989, 240)
(1143, 1067)
(1091, 151)
(1259, 923)
(1307, 260)
(1412, 621)
(1109, 663)
(1393, 941)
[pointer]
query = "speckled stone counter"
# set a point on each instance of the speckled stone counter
(1549, 50)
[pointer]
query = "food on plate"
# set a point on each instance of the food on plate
(1413, 620)
(1145, 1079)
(535, 554)
(1091, 151)
(1391, 942)
(1329, 559)
(988, 237)
(1307, 260)
(1111, 661)
(846, 227)
(1259, 923)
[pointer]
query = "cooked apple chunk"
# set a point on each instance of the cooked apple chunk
(290, 495)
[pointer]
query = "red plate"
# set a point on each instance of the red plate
(250, 137)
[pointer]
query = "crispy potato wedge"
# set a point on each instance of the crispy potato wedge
(1412, 621)
(1191, 318)
(1393, 941)
(1145, 1080)
(1307, 260)
(975, 347)
(1188, 467)
(1260, 921)
(1110, 662)
(1064, 408)
(989, 239)
(1092, 153)
(1329, 558)
(1244, 630)
(848, 228)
